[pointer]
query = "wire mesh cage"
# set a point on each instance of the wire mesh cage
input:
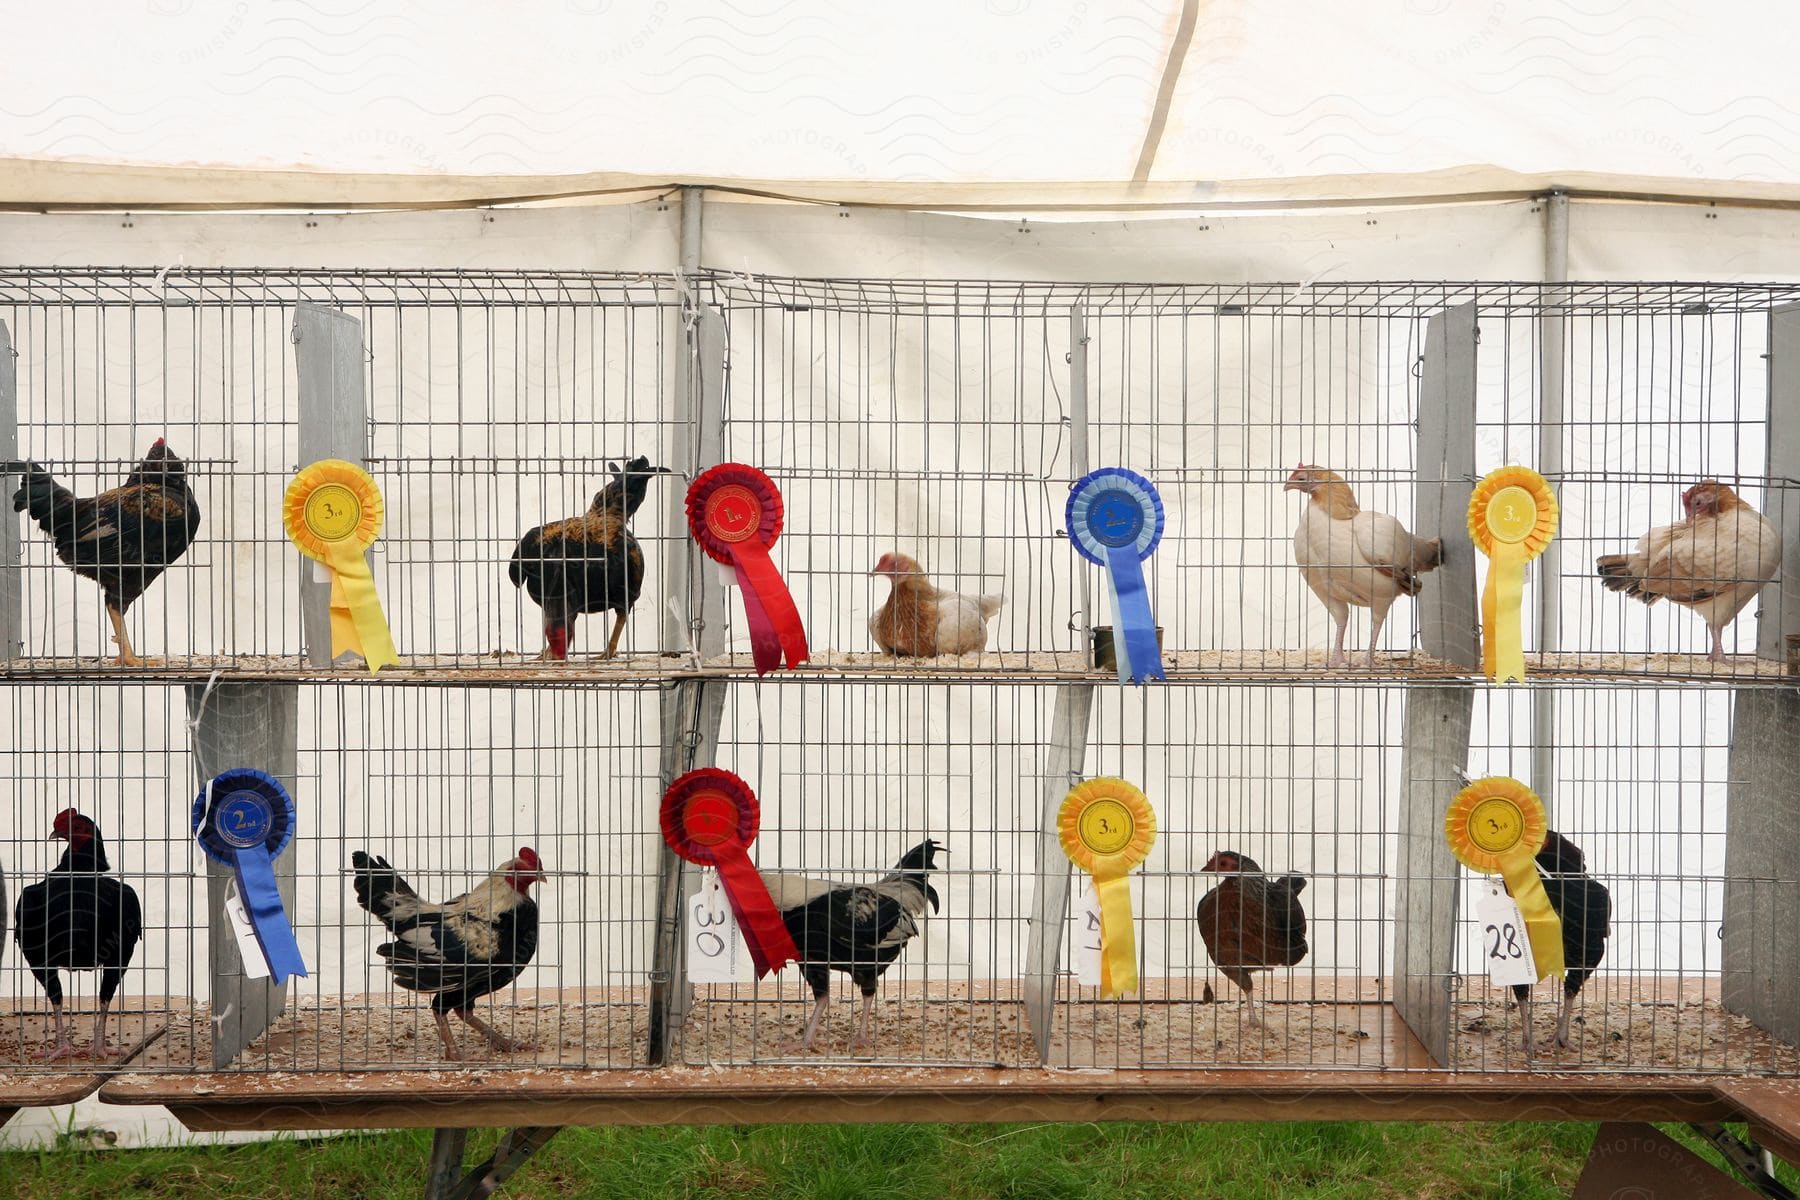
(483, 406)
(448, 785)
(947, 423)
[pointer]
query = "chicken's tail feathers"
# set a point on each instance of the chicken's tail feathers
(40, 494)
(990, 605)
(1430, 555)
(1616, 575)
(1292, 884)
(376, 883)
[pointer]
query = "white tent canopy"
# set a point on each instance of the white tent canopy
(945, 103)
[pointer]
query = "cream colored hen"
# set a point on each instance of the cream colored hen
(1348, 556)
(1713, 563)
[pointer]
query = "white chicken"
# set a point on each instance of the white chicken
(1348, 556)
(1713, 563)
(921, 621)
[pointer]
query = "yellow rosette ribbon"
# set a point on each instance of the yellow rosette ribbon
(1496, 826)
(333, 512)
(1107, 828)
(1512, 517)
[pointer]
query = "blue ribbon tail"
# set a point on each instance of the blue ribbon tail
(262, 900)
(1134, 626)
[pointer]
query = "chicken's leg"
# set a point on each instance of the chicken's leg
(804, 1044)
(1336, 657)
(1380, 619)
(864, 1022)
(1717, 653)
(101, 1048)
(1564, 1012)
(443, 1024)
(127, 656)
(496, 1039)
(1525, 1024)
(612, 643)
(61, 1048)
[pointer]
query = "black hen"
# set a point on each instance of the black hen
(78, 919)
(587, 564)
(461, 950)
(855, 928)
(122, 539)
(1585, 909)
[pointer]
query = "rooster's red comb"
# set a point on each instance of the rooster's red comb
(528, 858)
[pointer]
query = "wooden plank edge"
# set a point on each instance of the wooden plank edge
(1772, 1110)
(1429, 1096)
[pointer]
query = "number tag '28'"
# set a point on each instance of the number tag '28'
(1504, 947)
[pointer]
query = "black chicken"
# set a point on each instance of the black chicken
(78, 919)
(1585, 908)
(587, 564)
(1251, 922)
(122, 539)
(855, 928)
(461, 950)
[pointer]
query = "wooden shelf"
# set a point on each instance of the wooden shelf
(1292, 667)
(27, 1083)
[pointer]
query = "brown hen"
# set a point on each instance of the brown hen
(1250, 922)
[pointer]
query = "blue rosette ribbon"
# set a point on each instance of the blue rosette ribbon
(244, 819)
(1115, 519)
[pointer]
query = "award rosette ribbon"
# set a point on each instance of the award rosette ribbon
(1107, 827)
(1115, 519)
(709, 818)
(734, 512)
(1512, 517)
(333, 512)
(245, 819)
(1496, 826)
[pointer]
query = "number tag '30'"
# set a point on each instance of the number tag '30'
(1504, 947)
(715, 949)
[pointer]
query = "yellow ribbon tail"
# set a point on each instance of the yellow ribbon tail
(1503, 646)
(1542, 925)
(357, 622)
(1118, 939)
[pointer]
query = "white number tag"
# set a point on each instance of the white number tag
(715, 949)
(249, 949)
(1086, 915)
(1504, 947)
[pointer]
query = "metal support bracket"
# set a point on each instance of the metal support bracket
(12, 575)
(1438, 719)
(242, 725)
(329, 361)
(691, 713)
(445, 1180)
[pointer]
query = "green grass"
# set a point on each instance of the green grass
(1343, 1161)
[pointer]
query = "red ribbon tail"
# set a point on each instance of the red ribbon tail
(758, 577)
(765, 643)
(771, 946)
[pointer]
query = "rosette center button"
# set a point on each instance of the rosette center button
(1116, 518)
(734, 513)
(710, 819)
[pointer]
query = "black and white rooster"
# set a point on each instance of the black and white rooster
(78, 919)
(461, 950)
(858, 929)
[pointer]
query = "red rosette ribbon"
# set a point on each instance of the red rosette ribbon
(710, 817)
(734, 512)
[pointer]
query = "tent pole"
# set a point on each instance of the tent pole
(1552, 331)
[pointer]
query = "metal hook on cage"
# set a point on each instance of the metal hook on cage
(1077, 618)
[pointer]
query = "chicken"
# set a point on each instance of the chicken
(587, 564)
(122, 539)
(1585, 908)
(1348, 556)
(1713, 563)
(1250, 922)
(78, 919)
(920, 621)
(461, 950)
(856, 928)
